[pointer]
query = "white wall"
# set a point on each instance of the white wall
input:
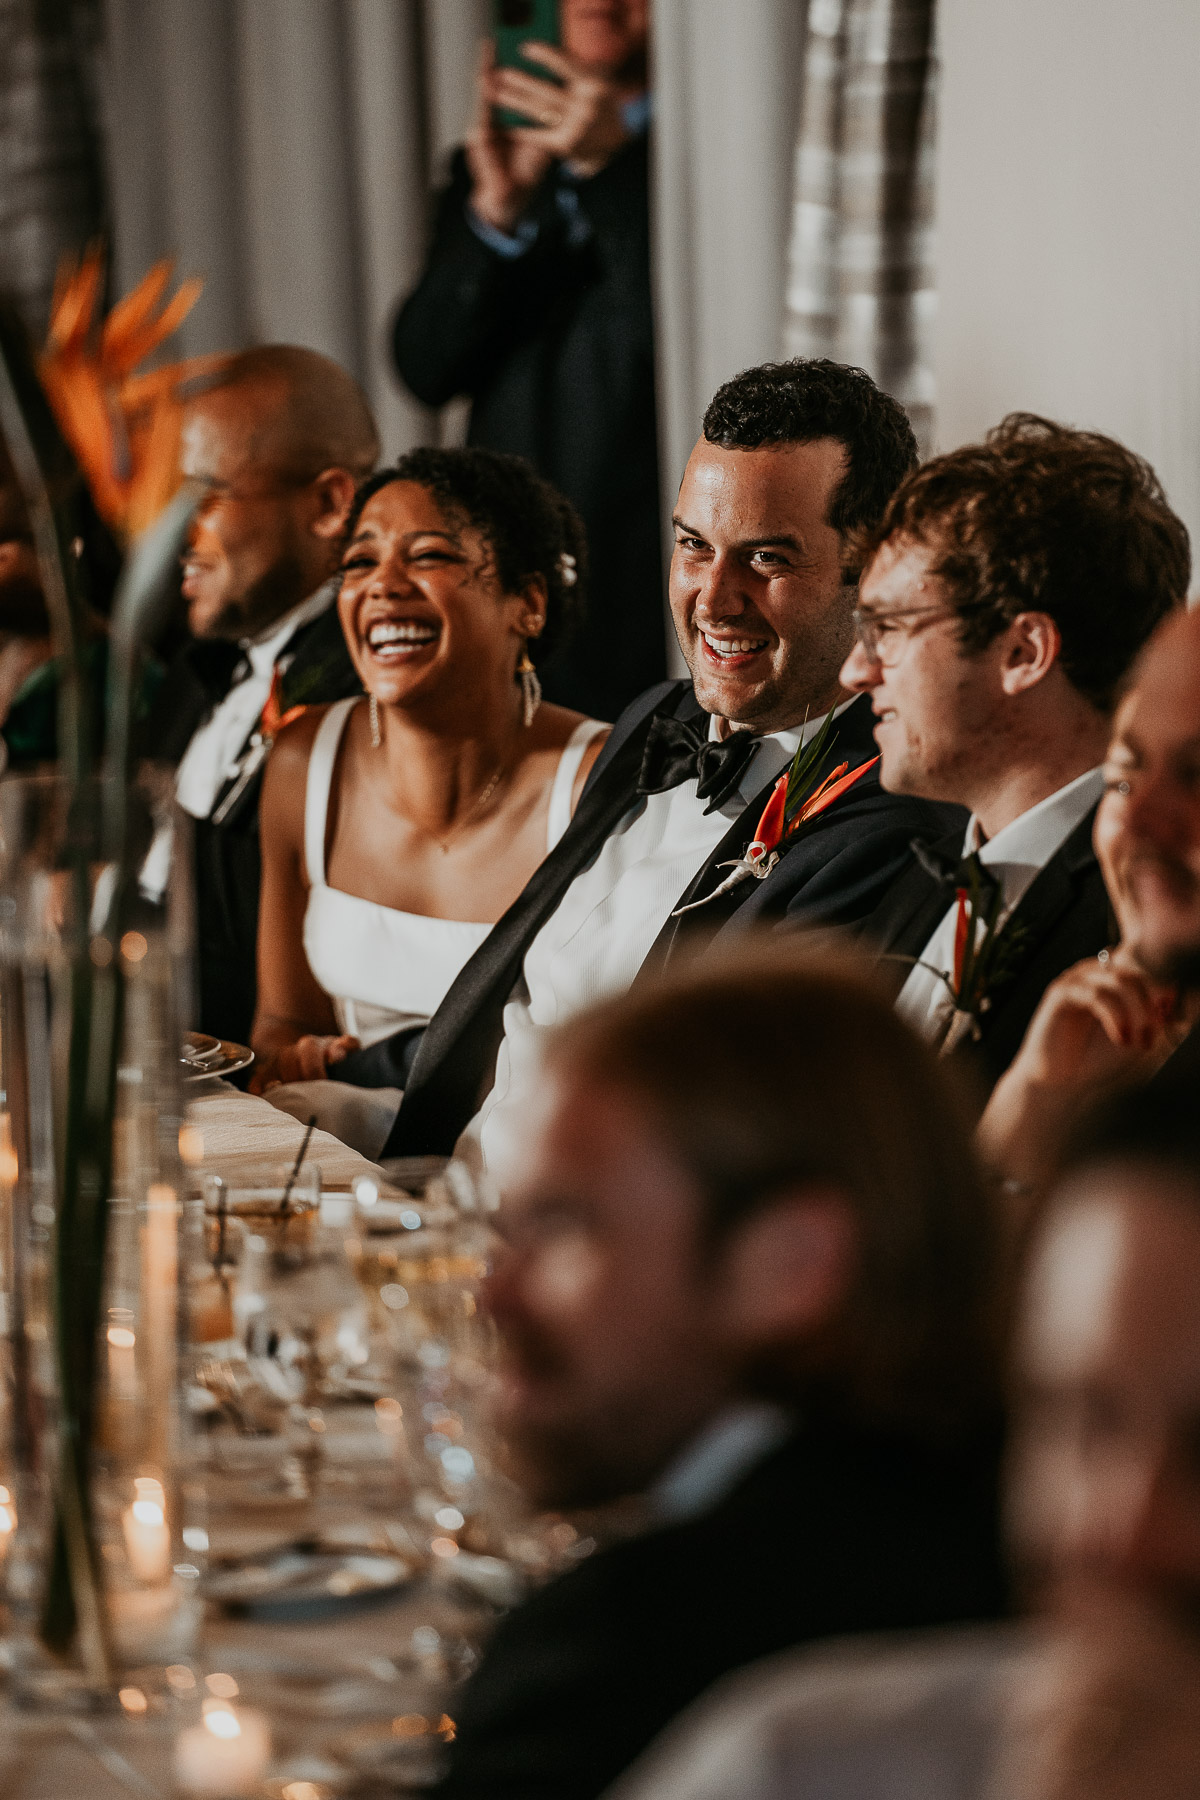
(1069, 223)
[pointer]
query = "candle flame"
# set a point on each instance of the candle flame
(223, 1722)
(121, 1337)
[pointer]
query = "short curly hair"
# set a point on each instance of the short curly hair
(532, 528)
(808, 398)
(1043, 518)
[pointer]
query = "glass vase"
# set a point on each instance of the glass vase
(101, 1554)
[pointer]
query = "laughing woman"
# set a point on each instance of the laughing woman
(397, 828)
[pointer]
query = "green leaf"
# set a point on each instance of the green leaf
(805, 761)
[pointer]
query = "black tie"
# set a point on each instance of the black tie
(677, 749)
(955, 872)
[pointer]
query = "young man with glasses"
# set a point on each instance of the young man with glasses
(1003, 599)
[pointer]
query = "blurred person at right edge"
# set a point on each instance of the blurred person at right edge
(746, 1281)
(535, 303)
(1124, 1018)
(1095, 1697)
(1004, 597)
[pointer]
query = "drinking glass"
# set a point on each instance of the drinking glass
(307, 1479)
(136, 1501)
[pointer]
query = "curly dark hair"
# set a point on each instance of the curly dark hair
(809, 398)
(1043, 518)
(529, 525)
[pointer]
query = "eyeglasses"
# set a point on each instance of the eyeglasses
(872, 629)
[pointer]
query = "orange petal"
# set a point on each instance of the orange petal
(826, 795)
(72, 317)
(129, 316)
(157, 473)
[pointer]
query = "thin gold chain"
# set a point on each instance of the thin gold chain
(477, 805)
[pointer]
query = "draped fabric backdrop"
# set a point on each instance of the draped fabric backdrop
(51, 186)
(284, 150)
(860, 284)
(727, 86)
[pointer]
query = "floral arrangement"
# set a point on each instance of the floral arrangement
(82, 405)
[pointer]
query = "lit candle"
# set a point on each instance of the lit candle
(8, 1520)
(226, 1754)
(147, 1534)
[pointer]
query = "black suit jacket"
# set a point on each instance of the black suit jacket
(316, 668)
(833, 1533)
(556, 350)
(834, 874)
(1063, 917)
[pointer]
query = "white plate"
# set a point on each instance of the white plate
(204, 1056)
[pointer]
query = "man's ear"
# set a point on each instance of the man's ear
(334, 489)
(1033, 646)
(788, 1268)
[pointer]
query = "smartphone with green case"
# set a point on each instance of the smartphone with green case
(518, 22)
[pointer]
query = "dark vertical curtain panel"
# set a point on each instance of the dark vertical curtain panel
(52, 196)
(861, 280)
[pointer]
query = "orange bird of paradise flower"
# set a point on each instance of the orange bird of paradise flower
(122, 427)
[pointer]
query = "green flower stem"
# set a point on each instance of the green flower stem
(92, 986)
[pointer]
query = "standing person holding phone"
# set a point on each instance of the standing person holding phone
(535, 302)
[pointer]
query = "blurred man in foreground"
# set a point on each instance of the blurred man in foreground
(281, 438)
(1117, 1021)
(1008, 590)
(754, 1288)
(535, 302)
(1098, 1701)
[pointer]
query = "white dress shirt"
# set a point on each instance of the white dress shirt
(711, 1466)
(213, 756)
(598, 936)
(1015, 856)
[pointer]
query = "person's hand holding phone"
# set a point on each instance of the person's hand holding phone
(579, 121)
(506, 169)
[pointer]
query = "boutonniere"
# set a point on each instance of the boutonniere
(986, 948)
(795, 801)
(271, 722)
(274, 717)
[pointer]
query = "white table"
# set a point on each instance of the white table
(243, 1136)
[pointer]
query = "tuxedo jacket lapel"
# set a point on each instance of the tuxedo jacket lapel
(852, 742)
(902, 925)
(693, 927)
(458, 1049)
(1066, 901)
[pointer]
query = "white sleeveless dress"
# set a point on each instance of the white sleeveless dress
(384, 969)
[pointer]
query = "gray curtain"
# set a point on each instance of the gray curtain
(284, 149)
(727, 86)
(51, 188)
(861, 283)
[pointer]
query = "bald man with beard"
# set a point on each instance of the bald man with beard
(281, 440)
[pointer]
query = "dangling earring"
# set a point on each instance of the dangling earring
(531, 687)
(376, 734)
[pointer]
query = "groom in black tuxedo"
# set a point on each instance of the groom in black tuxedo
(1004, 599)
(793, 458)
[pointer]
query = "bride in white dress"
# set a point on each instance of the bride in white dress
(396, 829)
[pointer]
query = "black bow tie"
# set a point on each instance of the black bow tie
(676, 749)
(955, 871)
